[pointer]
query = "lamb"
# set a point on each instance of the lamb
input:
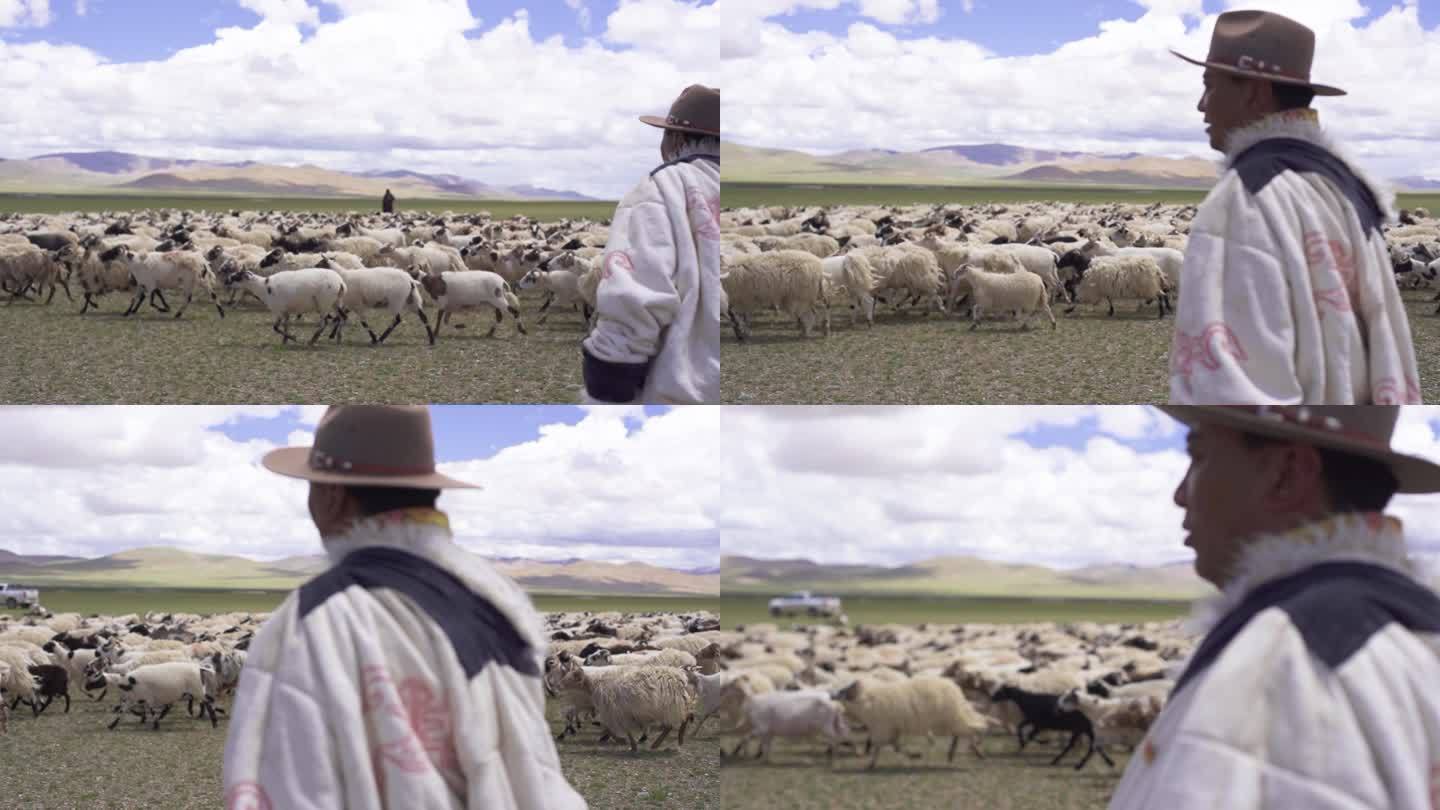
(923, 705)
(175, 270)
(74, 661)
(1126, 277)
(722, 693)
(1023, 292)
(634, 699)
(1043, 712)
(160, 686)
(1119, 720)
(386, 288)
(560, 285)
(292, 293)
(469, 289)
(53, 682)
(851, 275)
(804, 713)
(791, 280)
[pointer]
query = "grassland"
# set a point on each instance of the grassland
(58, 203)
(747, 194)
(118, 601)
(912, 359)
(56, 356)
(72, 761)
(796, 777)
(739, 609)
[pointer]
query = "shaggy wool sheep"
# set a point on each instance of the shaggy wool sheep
(1020, 292)
(923, 705)
(791, 280)
(634, 699)
(849, 278)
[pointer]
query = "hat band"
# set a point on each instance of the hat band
(1302, 416)
(320, 460)
(1247, 62)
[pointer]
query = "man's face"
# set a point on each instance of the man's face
(331, 508)
(1223, 497)
(1230, 102)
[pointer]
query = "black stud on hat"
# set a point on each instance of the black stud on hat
(1263, 45)
(697, 110)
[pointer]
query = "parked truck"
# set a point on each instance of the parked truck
(13, 596)
(805, 602)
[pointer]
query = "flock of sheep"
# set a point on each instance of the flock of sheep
(997, 261)
(336, 267)
(881, 685)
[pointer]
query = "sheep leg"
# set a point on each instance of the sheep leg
(156, 725)
(324, 322)
(387, 332)
(974, 316)
(88, 303)
(39, 708)
(209, 704)
(1088, 753)
(373, 338)
(954, 743)
(216, 300)
(188, 296)
(283, 333)
(158, 293)
(633, 747)
(1112, 307)
(1020, 734)
(740, 747)
(1073, 738)
(549, 297)
(432, 334)
(519, 324)
(740, 336)
(664, 732)
(67, 701)
(135, 303)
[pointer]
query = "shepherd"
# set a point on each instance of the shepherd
(1288, 295)
(387, 203)
(657, 317)
(406, 675)
(1315, 683)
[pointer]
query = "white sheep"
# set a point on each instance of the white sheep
(850, 278)
(909, 269)
(923, 705)
(799, 714)
(1002, 292)
(158, 687)
(664, 658)
(466, 290)
(154, 272)
(791, 280)
(385, 288)
(632, 700)
(1116, 720)
(24, 266)
(1169, 259)
(560, 286)
(294, 292)
(1133, 277)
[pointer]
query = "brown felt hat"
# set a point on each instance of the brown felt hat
(697, 110)
(1361, 430)
(368, 445)
(1263, 45)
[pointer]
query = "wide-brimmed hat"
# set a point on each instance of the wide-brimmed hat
(696, 110)
(368, 445)
(1263, 45)
(1360, 430)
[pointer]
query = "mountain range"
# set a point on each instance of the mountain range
(164, 567)
(122, 172)
(961, 576)
(986, 163)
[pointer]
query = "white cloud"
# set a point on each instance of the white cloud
(582, 13)
(92, 481)
(24, 13)
(82, 7)
(885, 486)
(1117, 90)
(416, 85)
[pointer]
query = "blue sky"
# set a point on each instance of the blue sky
(462, 432)
(1026, 28)
(125, 31)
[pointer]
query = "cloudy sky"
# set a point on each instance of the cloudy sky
(1058, 486)
(830, 75)
(543, 92)
(602, 483)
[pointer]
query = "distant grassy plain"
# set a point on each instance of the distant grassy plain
(544, 210)
(119, 601)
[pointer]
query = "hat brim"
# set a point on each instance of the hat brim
(1414, 474)
(1320, 89)
(294, 462)
(657, 121)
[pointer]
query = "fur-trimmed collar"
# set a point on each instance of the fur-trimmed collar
(1306, 128)
(413, 530)
(1370, 538)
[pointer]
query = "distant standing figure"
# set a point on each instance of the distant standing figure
(1287, 295)
(657, 317)
(387, 203)
(407, 674)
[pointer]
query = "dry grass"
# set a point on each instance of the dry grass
(54, 355)
(914, 359)
(72, 761)
(797, 777)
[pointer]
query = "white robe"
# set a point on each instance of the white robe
(1286, 297)
(1322, 701)
(657, 329)
(355, 695)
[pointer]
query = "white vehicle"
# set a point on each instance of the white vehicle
(805, 602)
(13, 596)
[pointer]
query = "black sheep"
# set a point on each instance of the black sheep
(1043, 713)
